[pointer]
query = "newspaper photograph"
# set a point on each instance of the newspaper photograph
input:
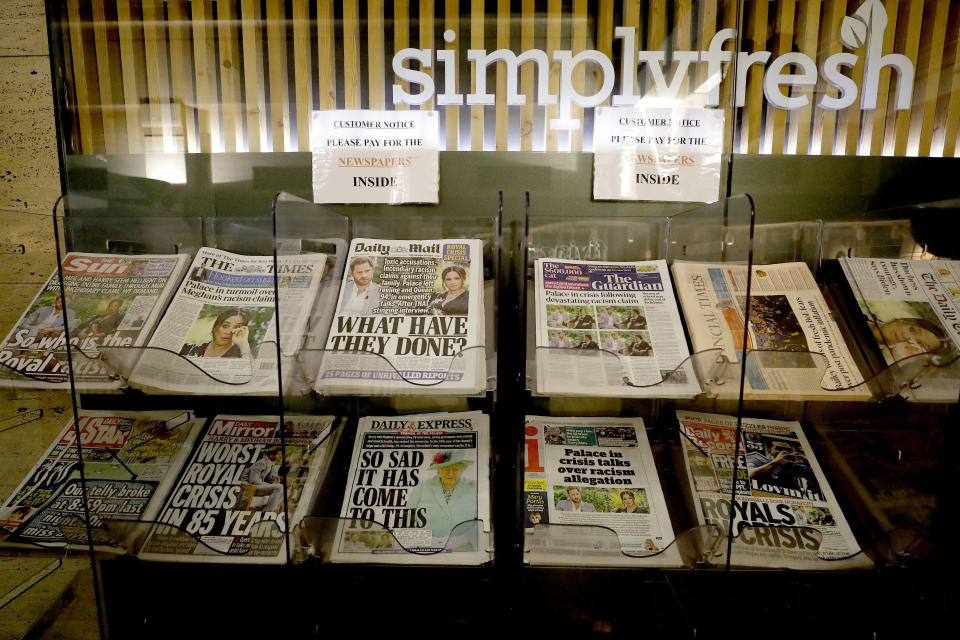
(418, 491)
(610, 328)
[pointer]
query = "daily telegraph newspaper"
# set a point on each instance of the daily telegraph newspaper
(130, 461)
(609, 328)
(418, 491)
(222, 320)
(785, 513)
(409, 320)
(228, 503)
(111, 300)
(593, 474)
(797, 349)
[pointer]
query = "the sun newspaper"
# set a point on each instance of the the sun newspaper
(586, 475)
(418, 491)
(785, 514)
(110, 301)
(610, 328)
(228, 505)
(796, 350)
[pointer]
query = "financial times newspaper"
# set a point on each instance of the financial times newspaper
(418, 491)
(130, 461)
(409, 320)
(785, 513)
(609, 328)
(789, 325)
(593, 474)
(228, 503)
(220, 327)
(110, 301)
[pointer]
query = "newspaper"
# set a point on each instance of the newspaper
(597, 473)
(229, 505)
(790, 324)
(785, 514)
(409, 320)
(610, 328)
(130, 459)
(222, 320)
(418, 491)
(111, 300)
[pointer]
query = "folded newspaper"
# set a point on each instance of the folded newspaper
(796, 350)
(130, 461)
(410, 320)
(110, 300)
(610, 328)
(243, 484)
(591, 480)
(785, 513)
(418, 491)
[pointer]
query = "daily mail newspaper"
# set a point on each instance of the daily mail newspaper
(418, 491)
(409, 320)
(610, 328)
(593, 473)
(130, 462)
(111, 300)
(785, 514)
(222, 320)
(790, 322)
(228, 503)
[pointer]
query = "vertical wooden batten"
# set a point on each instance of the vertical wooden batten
(80, 84)
(205, 75)
(503, 42)
(527, 38)
(351, 55)
(255, 100)
(302, 72)
(451, 22)
(375, 35)
(181, 73)
(107, 79)
(326, 55)
(229, 72)
(477, 39)
(401, 38)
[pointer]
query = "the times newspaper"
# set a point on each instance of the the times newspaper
(586, 475)
(228, 503)
(219, 336)
(610, 328)
(797, 350)
(785, 513)
(110, 300)
(410, 319)
(130, 461)
(418, 491)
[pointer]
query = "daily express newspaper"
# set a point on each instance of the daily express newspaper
(608, 328)
(110, 300)
(584, 475)
(790, 323)
(228, 503)
(130, 461)
(785, 513)
(418, 491)
(222, 320)
(409, 320)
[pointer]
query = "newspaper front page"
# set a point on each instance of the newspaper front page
(785, 514)
(593, 474)
(418, 491)
(610, 328)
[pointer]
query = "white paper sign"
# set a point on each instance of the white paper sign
(657, 154)
(375, 156)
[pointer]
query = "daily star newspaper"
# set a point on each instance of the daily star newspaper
(111, 300)
(410, 320)
(218, 335)
(790, 324)
(610, 328)
(130, 462)
(785, 514)
(592, 474)
(418, 491)
(228, 503)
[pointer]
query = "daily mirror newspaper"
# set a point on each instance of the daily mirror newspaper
(228, 503)
(610, 328)
(418, 491)
(785, 514)
(110, 300)
(593, 474)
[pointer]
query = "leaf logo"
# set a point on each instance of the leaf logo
(853, 32)
(870, 16)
